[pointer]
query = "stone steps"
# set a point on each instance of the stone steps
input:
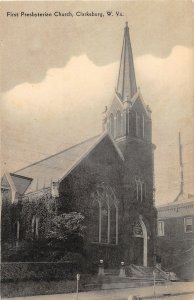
(116, 282)
(136, 276)
(140, 272)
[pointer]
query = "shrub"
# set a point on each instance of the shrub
(17, 271)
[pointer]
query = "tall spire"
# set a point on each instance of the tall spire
(126, 86)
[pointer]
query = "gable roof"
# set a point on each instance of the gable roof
(116, 102)
(8, 184)
(21, 183)
(7, 177)
(5, 185)
(136, 97)
(58, 166)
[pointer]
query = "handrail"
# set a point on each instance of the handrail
(182, 264)
(163, 273)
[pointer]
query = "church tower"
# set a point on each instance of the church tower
(128, 122)
(128, 116)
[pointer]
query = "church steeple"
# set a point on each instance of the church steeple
(128, 115)
(126, 86)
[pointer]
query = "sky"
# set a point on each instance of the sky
(58, 73)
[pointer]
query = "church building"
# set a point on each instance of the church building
(108, 178)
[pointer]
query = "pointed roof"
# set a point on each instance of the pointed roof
(58, 166)
(126, 86)
(7, 183)
(21, 182)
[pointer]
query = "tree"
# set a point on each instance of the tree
(64, 226)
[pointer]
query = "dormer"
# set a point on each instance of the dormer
(13, 186)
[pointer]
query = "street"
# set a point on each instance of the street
(123, 294)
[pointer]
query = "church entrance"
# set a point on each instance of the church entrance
(138, 251)
(140, 243)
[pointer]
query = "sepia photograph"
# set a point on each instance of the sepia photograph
(97, 150)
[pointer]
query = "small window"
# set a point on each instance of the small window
(188, 224)
(140, 189)
(35, 227)
(160, 228)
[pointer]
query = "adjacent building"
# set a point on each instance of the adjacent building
(175, 242)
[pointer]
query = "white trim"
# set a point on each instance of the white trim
(145, 241)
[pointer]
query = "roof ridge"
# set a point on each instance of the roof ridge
(35, 163)
(21, 176)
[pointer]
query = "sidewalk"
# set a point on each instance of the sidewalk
(176, 288)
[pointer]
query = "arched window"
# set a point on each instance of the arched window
(118, 124)
(140, 189)
(104, 222)
(95, 227)
(113, 225)
(111, 120)
(104, 227)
